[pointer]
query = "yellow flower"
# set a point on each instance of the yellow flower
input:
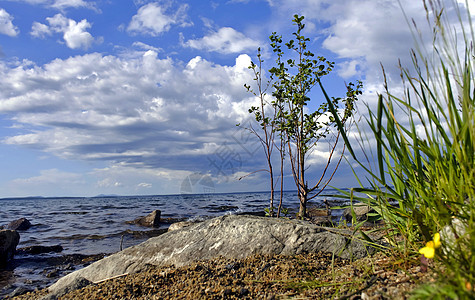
(429, 250)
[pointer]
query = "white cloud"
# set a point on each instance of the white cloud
(154, 19)
(6, 24)
(108, 183)
(144, 185)
(119, 177)
(146, 47)
(145, 111)
(47, 181)
(226, 40)
(60, 4)
(52, 176)
(74, 33)
(40, 30)
(471, 5)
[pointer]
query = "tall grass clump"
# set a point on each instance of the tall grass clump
(419, 154)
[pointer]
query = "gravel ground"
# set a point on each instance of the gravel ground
(307, 276)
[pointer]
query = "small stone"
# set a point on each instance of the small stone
(243, 292)
(228, 292)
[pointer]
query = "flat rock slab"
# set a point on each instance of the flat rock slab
(232, 236)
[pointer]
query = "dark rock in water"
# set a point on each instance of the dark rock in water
(40, 249)
(218, 208)
(9, 239)
(52, 274)
(230, 236)
(20, 224)
(361, 212)
(151, 220)
(253, 213)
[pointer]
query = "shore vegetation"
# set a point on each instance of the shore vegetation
(419, 155)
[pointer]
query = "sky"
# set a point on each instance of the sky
(142, 97)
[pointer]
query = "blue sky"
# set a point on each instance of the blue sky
(138, 97)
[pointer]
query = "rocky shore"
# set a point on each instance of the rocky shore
(303, 276)
(246, 257)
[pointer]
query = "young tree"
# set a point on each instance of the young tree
(267, 123)
(295, 74)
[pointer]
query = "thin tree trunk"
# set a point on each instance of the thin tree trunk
(271, 208)
(303, 203)
(281, 176)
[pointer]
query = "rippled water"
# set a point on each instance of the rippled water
(97, 225)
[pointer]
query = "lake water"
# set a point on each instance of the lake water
(98, 224)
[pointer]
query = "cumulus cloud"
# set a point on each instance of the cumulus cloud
(155, 18)
(6, 24)
(40, 30)
(226, 40)
(60, 4)
(75, 34)
(144, 112)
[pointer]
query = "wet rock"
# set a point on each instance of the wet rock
(151, 220)
(19, 291)
(230, 236)
(9, 239)
(40, 249)
(20, 224)
(52, 274)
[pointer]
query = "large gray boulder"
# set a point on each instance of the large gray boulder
(230, 236)
(9, 239)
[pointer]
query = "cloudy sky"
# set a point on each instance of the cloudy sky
(132, 97)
